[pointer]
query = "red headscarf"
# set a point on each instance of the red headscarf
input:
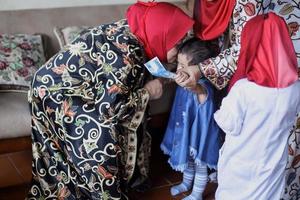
(158, 26)
(267, 54)
(212, 17)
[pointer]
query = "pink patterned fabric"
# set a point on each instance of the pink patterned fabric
(20, 56)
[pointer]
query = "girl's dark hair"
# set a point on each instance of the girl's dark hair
(196, 49)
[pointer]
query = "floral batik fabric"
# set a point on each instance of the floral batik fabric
(87, 104)
(292, 186)
(219, 70)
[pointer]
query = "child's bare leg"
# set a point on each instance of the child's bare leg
(202, 93)
(202, 98)
(187, 182)
(200, 182)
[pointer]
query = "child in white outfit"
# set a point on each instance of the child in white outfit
(258, 113)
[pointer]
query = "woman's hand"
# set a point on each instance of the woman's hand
(154, 88)
(193, 73)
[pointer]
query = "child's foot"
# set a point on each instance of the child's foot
(199, 183)
(182, 187)
(187, 182)
(190, 197)
(213, 177)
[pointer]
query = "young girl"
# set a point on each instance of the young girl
(258, 113)
(192, 136)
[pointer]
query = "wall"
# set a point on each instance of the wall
(43, 21)
(46, 4)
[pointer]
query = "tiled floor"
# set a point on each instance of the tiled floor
(162, 177)
(159, 192)
(15, 168)
(14, 193)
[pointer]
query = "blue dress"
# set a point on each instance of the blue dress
(192, 131)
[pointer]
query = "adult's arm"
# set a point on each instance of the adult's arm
(217, 70)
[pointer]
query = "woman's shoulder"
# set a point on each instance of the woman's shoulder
(110, 30)
(122, 23)
(242, 84)
(248, 88)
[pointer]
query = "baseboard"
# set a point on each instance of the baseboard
(15, 144)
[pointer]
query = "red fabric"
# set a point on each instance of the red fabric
(212, 17)
(158, 26)
(267, 54)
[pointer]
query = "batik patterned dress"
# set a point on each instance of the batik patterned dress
(220, 69)
(88, 104)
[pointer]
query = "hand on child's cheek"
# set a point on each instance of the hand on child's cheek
(181, 77)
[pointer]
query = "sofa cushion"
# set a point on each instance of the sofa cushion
(20, 57)
(67, 34)
(15, 120)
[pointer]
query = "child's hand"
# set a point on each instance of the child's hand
(194, 74)
(181, 77)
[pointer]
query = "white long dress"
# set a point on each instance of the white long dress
(257, 121)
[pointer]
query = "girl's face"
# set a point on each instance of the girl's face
(182, 61)
(171, 54)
